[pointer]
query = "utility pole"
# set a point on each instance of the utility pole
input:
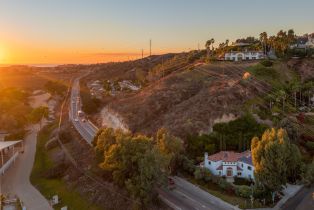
(198, 47)
(142, 54)
(150, 47)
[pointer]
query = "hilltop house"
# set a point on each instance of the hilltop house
(230, 164)
(304, 42)
(246, 55)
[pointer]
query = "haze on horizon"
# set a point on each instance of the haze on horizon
(78, 31)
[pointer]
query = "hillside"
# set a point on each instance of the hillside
(189, 96)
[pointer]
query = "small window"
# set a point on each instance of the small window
(209, 162)
(239, 173)
(242, 165)
(249, 168)
(219, 173)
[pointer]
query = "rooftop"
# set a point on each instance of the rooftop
(6, 144)
(230, 156)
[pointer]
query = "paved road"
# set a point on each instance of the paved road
(303, 200)
(86, 129)
(16, 180)
(185, 196)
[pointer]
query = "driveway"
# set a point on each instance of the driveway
(16, 180)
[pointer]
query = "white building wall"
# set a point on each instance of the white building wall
(213, 165)
(244, 55)
(246, 173)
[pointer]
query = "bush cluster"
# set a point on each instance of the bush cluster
(266, 63)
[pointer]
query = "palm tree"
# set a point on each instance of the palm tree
(263, 39)
(213, 41)
(291, 36)
(227, 42)
(208, 44)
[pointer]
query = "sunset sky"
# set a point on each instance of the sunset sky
(90, 31)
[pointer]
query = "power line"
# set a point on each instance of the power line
(150, 47)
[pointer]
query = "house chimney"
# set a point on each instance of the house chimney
(206, 160)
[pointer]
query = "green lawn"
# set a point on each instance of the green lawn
(49, 187)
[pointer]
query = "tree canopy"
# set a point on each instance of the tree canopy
(133, 161)
(38, 114)
(275, 159)
(234, 135)
(55, 87)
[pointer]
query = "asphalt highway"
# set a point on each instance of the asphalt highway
(83, 126)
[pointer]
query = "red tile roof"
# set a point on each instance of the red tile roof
(228, 156)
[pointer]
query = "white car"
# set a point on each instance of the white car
(76, 120)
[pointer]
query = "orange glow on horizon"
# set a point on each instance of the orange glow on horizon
(41, 56)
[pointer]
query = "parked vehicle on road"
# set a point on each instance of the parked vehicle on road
(80, 113)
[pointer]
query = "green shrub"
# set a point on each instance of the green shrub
(207, 175)
(198, 175)
(260, 193)
(216, 179)
(55, 87)
(243, 191)
(242, 181)
(308, 175)
(187, 165)
(202, 174)
(224, 185)
(310, 145)
(266, 63)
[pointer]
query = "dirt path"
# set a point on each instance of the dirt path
(16, 181)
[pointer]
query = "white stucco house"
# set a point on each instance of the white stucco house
(230, 164)
(246, 55)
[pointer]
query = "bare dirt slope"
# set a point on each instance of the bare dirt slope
(305, 68)
(189, 101)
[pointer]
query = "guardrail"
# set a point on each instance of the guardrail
(93, 126)
(8, 163)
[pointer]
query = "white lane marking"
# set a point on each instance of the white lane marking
(170, 203)
(185, 195)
